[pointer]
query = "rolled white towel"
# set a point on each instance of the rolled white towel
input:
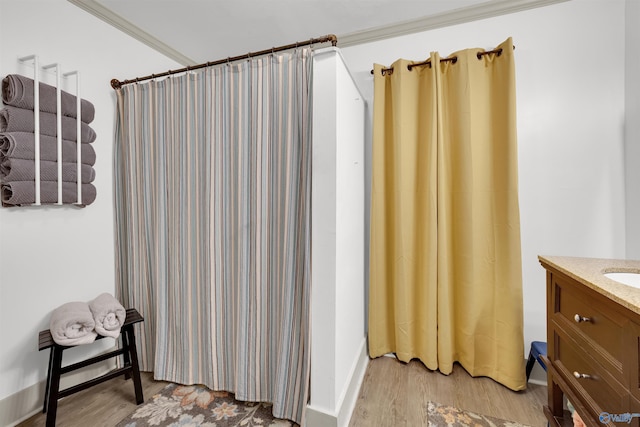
(72, 324)
(108, 315)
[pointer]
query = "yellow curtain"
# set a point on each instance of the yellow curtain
(445, 262)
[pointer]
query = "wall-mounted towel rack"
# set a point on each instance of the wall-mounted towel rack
(78, 132)
(36, 112)
(36, 118)
(58, 126)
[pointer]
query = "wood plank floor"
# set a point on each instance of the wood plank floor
(396, 394)
(393, 394)
(103, 405)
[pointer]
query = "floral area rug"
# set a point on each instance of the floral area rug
(443, 415)
(182, 406)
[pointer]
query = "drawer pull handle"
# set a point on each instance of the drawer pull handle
(578, 375)
(579, 318)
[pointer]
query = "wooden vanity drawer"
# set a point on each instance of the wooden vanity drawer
(632, 361)
(599, 324)
(606, 347)
(597, 383)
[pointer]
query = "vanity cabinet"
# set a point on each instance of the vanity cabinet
(593, 342)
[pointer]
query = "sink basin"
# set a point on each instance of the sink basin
(629, 279)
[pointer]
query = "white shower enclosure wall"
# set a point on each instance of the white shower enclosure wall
(338, 334)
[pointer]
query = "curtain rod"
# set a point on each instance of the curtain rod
(452, 59)
(117, 84)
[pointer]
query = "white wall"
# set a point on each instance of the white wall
(349, 250)
(570, 100)
(570, 91)
(338, 350)
(53, 255)
(632, 127)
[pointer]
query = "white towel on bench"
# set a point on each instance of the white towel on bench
(108, 314)
(72, 324)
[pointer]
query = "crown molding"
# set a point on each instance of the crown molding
(485, 10)
(117, 21)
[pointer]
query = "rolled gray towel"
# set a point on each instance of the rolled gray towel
(17, 91)
(20, 193)
(25, 170)
(14, 119)
(108, 315)
(72, 324)
(21, 145)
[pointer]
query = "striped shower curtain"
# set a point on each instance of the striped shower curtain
(212, 209)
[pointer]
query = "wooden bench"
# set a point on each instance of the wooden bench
(129, 369)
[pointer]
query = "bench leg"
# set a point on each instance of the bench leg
(47, 387)
(135, 369)
(53, 385)
(127, 348)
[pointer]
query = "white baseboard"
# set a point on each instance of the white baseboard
(21, 405)
(538, 375)
(347, 402)
(315, 417)
(28, 402)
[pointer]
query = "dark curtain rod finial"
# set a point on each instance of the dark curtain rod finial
(116, 84)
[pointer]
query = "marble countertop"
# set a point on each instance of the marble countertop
(590, 272)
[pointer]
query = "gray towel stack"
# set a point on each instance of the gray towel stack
(17, 144)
